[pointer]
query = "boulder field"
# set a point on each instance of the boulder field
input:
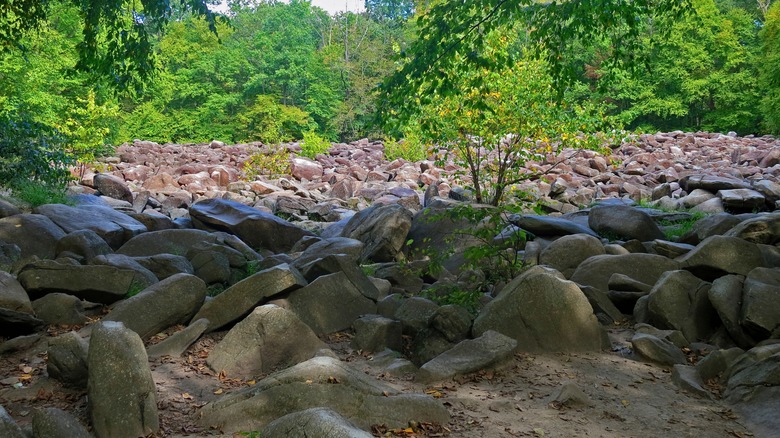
(173, 241)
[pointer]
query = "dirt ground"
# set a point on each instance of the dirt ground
(623, 397)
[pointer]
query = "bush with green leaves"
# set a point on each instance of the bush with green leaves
(410, 148)
(31, 152)
(271, 161)
(314, 145)
(502, 119)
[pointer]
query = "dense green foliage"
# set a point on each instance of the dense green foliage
(88, 74)
(769, 69)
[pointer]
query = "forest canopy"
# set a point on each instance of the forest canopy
(99, 73)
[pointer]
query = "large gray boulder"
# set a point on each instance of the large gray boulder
(56, 423)
(761, 303)
(34, 234)
(255, 227)
(67, 359)
(488, 350)
(543, 313)
(753, 388)
(711, 225)
(121, 391)
(96, 283)
(320, 382)
(112, 186)
(8, 427)
(269, 339)
(85, 244)
(177, 343)
(716, 256)
(13, 323)
(726, 297)
(122, 261)
(382, 229)
(680, 301)
(658, 350)
(330, 303)
(742, 199)
(351, 249)
(762, 229)
(549, 226)
(333, 263)
(645, 268)
(712, 183)
(163, 265)
(57, 308)
(112, 226)
(415, 314)
(180, 242)
(623, 222)
(432, 232)
(172, 301)
(374, 333)
(12, 294)
(313, 423)
(239, 299)
(566, 253)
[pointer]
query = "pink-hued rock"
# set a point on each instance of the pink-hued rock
(162, 182)
(305, 169)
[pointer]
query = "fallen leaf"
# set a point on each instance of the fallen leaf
(251, 382)
(27, 370)
(186, 396)
(219, 391)
(25, 377)
(434, 393)
(625, 402)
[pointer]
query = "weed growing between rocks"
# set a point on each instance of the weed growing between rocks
(410, 149)
(40, 193)
(314, 145)
(492, 257)
(272, 162)
(675, 229)
(134, 289)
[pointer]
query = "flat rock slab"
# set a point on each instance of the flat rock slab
(320, 382)
(34, 234)
(646, 268)
(742, 199)
(167, 303)
(269, 339)
(543, 312)
(257, 228)
(314, 422)
(96, 283)
(239, 299)
(114, 227)
(469, 356)
(549, 226)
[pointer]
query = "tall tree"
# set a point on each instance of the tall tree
(116, 42)
(454, 29)
(769, 78)
(390, 10)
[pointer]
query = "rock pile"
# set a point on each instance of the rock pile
(182, 241)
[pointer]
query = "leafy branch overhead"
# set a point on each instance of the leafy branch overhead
(454, 30)
(118, 35)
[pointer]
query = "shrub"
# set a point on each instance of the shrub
(410, 148)
(313, 145)
(272, 162)
(40, 193)
(32, 152)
